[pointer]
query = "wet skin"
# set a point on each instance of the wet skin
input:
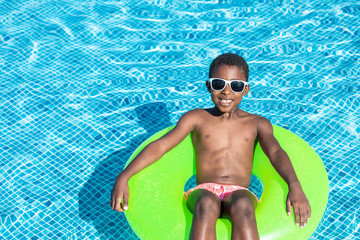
(223, 138)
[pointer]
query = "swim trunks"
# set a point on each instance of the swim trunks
(221, 190)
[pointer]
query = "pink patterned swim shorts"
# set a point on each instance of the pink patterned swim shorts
(221, 190)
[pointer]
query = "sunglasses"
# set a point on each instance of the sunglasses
(219, 84)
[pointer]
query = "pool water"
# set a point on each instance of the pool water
(83, 83)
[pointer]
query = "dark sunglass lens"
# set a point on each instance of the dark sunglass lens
(237, 86)
(218, 84)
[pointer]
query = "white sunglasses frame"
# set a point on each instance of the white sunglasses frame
(228, 82)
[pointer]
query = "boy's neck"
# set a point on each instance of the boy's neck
(225, 115)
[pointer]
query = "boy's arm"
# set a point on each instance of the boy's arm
(150, 154)
(282, 164)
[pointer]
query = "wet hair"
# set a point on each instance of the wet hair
(229, 59)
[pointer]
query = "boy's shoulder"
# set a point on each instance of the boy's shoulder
(191, 119)
(259, 120)
(263, 125)
(194, 113)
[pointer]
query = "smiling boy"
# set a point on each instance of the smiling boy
(224, 139)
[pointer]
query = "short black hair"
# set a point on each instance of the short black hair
(230, 59)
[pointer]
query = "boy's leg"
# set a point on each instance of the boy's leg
(239, 208)
(205, 207)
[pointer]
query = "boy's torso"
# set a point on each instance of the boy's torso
(224, 147)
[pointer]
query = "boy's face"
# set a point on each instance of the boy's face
(226, 100)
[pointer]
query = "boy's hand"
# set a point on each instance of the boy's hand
(300, 203)
(120, 192)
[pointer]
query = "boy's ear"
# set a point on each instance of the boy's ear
(247, 89)
(208, 86)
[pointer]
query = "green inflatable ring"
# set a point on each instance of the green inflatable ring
(157, 208)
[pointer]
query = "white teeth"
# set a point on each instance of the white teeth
(226, 101)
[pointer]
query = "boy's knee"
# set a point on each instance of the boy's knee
(241, 207)
(207, 205)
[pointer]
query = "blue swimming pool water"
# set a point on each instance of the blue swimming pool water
(83, 83)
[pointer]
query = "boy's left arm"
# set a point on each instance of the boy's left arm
(282, 164)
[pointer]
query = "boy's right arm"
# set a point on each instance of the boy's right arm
(150, 154)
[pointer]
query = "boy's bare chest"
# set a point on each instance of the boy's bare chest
(226, 134)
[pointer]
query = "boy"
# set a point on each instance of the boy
(223, 138)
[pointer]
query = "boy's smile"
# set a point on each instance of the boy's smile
(226, 100)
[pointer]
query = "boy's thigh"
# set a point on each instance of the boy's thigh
(237, 198)
(204, 196)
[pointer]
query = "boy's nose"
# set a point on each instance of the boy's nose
(227, 89)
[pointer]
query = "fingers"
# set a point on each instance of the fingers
(302, 214)
(125, 201)
(120, 194)
(288, 206)
(120, 203)
(303, 217)
(297, 213)
(302, 211)
(116, 203)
